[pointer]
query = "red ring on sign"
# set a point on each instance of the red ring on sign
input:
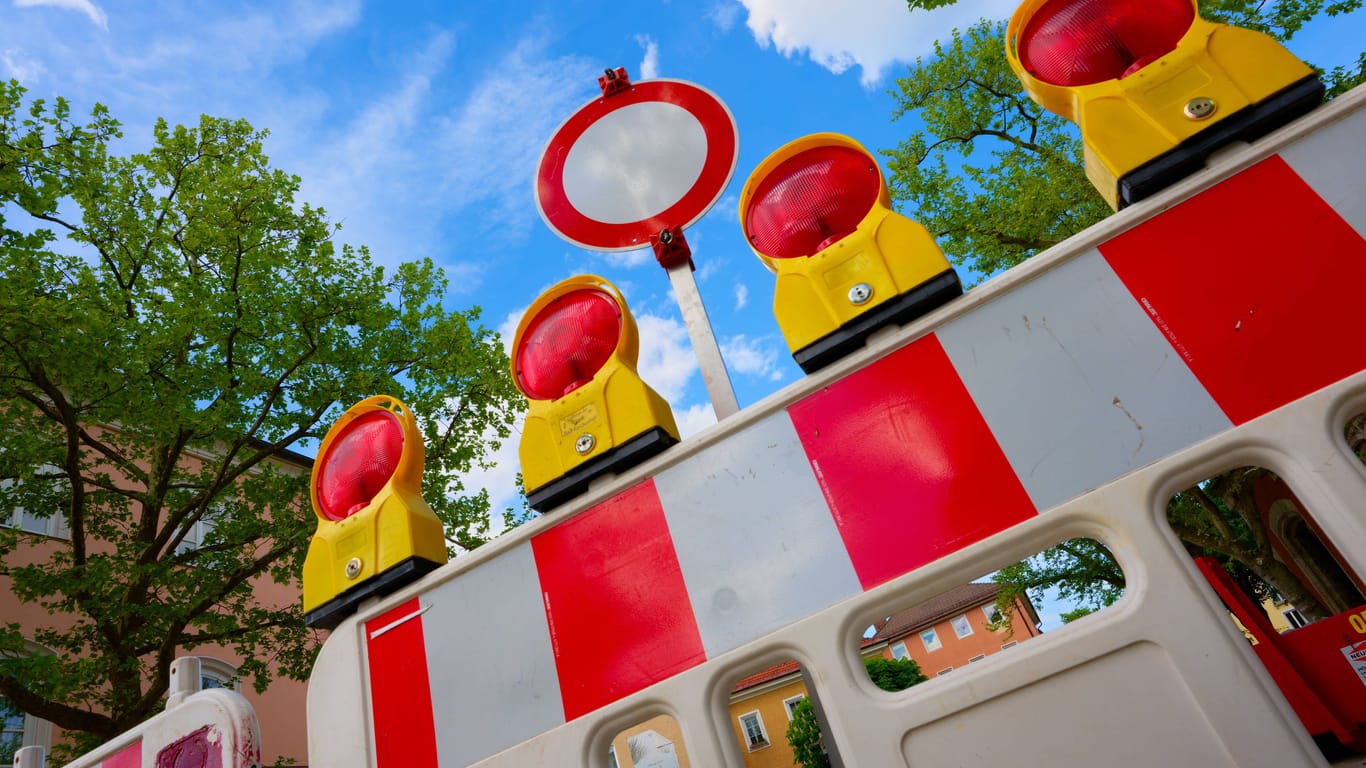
(722, 152)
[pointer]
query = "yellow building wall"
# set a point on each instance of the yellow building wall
(769, 704)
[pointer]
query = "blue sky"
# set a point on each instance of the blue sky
(418, 125)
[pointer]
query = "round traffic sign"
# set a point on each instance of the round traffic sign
(625, 166)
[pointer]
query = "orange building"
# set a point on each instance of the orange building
(280, 710)
(954, 629)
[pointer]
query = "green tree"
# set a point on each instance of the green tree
(804, 732)
(173, 323)
(804, 736)
(893, 674)
(997, 179)
(1082, 571)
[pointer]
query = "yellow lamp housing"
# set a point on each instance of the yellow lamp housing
(817, 213)
(375, 532)
(1153, 87)
(574, 357)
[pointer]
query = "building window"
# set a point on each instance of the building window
(52, 524)
(216, 673)
(993, 615)
(899, 651)
(753, 726)
(978, 657)
(791, 704)
(198, 534)
(930, 639)
(943, 671)
(961, 626)
(1295, 618)
(1010, 644)
(11, 731)
(20, 730)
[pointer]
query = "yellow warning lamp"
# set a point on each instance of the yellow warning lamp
(574, 357)
(375, 531)
(1154, 88)
(818, 215)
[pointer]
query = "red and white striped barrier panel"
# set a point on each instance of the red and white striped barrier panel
(1174, 321)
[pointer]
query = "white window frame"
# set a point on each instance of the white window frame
(933, 644)
(959, 624)
(902, 653)
(763, 732)
(36, 732)
(992, 613)
(198, 532)
(791, 703)
(1294, 618)
(220, 672)
(53, 526)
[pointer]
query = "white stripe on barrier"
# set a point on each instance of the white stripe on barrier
(1076, 383)
(755, 540)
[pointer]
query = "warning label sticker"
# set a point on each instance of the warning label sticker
(1356, 656)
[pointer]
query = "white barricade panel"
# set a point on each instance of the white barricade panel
(1058, 400)
(210, 729)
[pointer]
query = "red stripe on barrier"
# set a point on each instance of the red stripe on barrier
(907, 464)
(128, 757)
(616, 605)
(1256, 283)
(400, 690)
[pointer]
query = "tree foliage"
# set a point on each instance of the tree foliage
(893, 674)
(1083, 572)
(804, 736)
(174, 325)
(804, 732)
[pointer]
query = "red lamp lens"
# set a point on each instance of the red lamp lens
(811, 200)
(566, 344)
(1079, 42)
(358, 463)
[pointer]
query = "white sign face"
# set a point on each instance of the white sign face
(627, 166)
(635, 163)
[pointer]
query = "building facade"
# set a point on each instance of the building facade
(280, 709)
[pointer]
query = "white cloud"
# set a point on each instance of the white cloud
(869, 34)
(492, 144)
(741, 296)
(500, 478)
(723, 14)
(508, 328)
(694, 419)
(667, 362)
(751, 357)
(649, 66)
(626, 259)
(727, 209)
(20, 66)
(91, 11)
(238, 41)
